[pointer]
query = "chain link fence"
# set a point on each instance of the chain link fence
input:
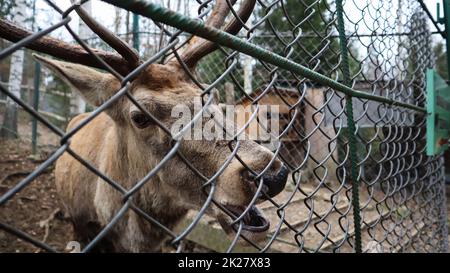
(359, 179)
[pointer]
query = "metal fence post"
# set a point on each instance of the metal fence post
(37, 77)
(136, 31)
(351, 128)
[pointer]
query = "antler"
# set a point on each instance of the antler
(127, 52)
(198, 47)
(63, 50)
(128, 58)
(124, 64)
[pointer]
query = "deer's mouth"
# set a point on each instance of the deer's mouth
(253, 221)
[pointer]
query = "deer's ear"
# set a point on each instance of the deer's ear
(94, 86)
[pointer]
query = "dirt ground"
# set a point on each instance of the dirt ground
(36, 209)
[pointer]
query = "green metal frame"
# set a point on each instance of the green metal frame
(351, 127)
(438, 95)
(438, 118)
(34, 123)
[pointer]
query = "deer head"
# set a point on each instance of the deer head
(157, 89)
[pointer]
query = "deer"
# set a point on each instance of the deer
(125, 143)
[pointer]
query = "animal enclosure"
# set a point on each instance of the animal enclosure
(349, 80)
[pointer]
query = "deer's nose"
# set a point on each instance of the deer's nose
(273, 183)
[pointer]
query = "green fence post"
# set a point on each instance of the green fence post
(351, 127)
(136, 31)
(37, 77)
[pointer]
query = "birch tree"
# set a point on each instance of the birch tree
(117, 20)
(84, 32)
(9, 127)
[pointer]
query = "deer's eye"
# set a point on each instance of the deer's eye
(140, 119)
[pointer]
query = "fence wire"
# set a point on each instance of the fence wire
(402, 201)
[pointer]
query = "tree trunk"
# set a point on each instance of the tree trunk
(127, 28)
(9, 127)
(248, 74)
(78, 105)
(117, 20)
(229, 93)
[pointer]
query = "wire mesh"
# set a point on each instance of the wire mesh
(401, 190)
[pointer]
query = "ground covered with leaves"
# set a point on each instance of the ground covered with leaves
(36, 209)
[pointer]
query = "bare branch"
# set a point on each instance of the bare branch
(63, 50)
(127, 52)
(198, 47)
